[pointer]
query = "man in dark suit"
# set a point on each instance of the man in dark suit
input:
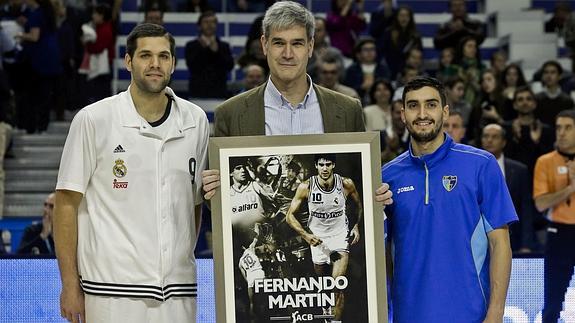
(519, 182)
(209, 60)
(37, 238)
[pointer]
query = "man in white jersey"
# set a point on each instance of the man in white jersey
(245, 195)
(251, 201)
(128, 197)
(330, 236)
(251, 268)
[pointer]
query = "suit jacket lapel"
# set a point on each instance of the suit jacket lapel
(253, 115)
(508, 173)
(331, 112)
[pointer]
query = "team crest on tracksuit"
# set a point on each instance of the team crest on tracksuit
(449, 182)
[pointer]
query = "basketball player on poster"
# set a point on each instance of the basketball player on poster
(330, 237)
(251, 269)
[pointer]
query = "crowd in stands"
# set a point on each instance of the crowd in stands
(59, 56)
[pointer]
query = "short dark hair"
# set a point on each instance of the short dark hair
(361, 42)
(237, 161)
(148, 30)
(453, 113)
(104, 10)
(317, 157)
(420, 82)
(552, 63)
(452, 81)
(293, 165)
(206, 14)
(566, 114)
(521, 89)
(373, 88)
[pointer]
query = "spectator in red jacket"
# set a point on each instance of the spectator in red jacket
(99, 75)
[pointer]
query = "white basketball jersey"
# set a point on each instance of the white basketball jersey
(246, 205)
(327, 209)
(250, 262)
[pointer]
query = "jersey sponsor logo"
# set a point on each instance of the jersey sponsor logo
(245, 207)
(405, 189)
(120, 170)
(120, 185)
(327, 215)
(119, 149)
(449, 182)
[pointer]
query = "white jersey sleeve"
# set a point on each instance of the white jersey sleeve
(79, 156)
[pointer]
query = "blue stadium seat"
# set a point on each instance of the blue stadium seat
(549, 5)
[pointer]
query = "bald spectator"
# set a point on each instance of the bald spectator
(328, 71)
(37, 238)
(459, 26)
(518, 180)
(454, 126)
(254, 75)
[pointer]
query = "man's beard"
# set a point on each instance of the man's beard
(149, 87)
(425, 137)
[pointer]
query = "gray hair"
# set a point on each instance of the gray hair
(283, 15)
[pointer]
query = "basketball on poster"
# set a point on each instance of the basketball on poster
(298, 249)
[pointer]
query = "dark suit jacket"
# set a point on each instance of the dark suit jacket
(244, 114)
(208, 70)
(519, 184)
(32, 243)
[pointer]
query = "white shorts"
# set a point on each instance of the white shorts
(320, 255)
(103, 309)
(251, 276)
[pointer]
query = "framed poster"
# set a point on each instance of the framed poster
(297, 234)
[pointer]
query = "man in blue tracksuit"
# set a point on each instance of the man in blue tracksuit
(448, 223)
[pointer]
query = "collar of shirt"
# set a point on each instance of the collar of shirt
(274, 99)
(132, 119)
(501, 162)
(435, 157)
(281, 118)
(552, 95)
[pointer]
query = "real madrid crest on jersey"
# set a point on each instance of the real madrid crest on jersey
(449, 182)
(120, 170)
